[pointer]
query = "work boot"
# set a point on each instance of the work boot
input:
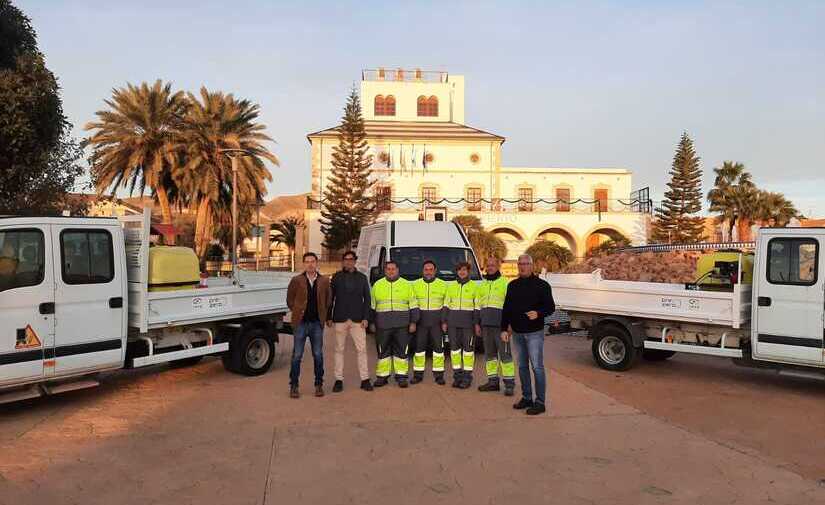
(439, 379)
(366, 385)
(491, 385)
(536, 409)
(466, 380)
(293, 392)
(524, 403)
(509, 386)
(402, 382)
(319, 390)
(380, 382)
(457, 377)
(417, 377)
(338, 387)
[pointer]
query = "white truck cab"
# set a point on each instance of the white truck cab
(75, 301)
(776, 322)
(410, 243)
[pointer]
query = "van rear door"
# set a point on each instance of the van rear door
(790, 301)
(26, 302)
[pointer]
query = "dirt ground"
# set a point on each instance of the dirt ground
(690, 430)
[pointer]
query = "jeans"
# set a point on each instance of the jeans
(315, 332)
(530, 348)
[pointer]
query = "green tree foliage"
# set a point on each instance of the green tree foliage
(285, 231)
(133, 139)
(549, 255)
(678, 220)
(610, 246)
(347, 204)
(484, 243)
(739, 202)
(38, 158)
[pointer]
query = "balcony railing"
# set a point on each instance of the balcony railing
(403, 75)
(509, 205)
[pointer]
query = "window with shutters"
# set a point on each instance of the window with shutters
(383, 198)
(429, 194)
(600, 195)
(427, 107)
(384, 105)
(474, 198)
(525, 199)
(563, 199)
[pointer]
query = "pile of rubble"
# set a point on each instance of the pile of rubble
(674, 266)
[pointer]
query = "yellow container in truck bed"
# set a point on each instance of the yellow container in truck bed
(173, 268)
(722, 268)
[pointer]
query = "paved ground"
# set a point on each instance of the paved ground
(685, 431)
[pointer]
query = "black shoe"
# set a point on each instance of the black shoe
(490, 386)
(466, 382)
(508, 390)
(338, 387)
(536, 409)
(293, 392)
(524, 403)
(402, 383)
(366, 385)
(380, 382)
(457, 380)
(319, 390)
(417, 377)
(439, 379)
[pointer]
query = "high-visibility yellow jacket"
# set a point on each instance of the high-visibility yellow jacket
(394, 303)
(461, 303)
(491, 301)
(430, 296)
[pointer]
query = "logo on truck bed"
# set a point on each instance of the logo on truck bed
(210, 303)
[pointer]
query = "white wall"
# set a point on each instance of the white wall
(450, 96)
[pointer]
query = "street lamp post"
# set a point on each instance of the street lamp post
(234, 154)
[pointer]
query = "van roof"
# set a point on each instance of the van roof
(426, 234)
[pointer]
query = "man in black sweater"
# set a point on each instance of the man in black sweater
(529, 299)
(349, 314)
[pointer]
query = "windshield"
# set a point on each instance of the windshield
(411, 259)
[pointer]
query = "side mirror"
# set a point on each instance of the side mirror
(375, 274)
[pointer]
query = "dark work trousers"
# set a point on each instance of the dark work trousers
(393, 347)
(498, 354)
(462, 349)
(433, 335)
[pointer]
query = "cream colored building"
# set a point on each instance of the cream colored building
(429, 164)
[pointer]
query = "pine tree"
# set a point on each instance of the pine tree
(347, 203)
(677, 220)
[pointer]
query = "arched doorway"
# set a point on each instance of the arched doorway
(512, 239)
(601, 235)
(560, 236)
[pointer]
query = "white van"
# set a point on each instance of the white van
(410, 243)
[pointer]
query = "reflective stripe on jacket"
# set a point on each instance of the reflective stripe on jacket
(491, 301)
(461, 303)
(430, 296)
(394, 303)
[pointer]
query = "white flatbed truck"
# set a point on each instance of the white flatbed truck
(777, 322)
(75, 301)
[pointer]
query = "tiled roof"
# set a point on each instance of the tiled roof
(415, 129)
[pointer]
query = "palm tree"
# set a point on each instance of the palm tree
(484, 243)
(130, 144)
(214, 122)
(774, 209)
(285, 231)
(733, 194)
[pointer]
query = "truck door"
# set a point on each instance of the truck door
(26, 302)
(89, 299)
(790, 300)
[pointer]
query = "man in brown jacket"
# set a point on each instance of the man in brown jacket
(308, 298)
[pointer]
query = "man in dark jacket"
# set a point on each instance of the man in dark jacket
(529, 299)
(308, 300)
(349, 314)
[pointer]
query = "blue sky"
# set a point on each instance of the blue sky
(582, 84)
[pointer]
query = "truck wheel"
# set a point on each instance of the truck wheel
(657, 354)
(181, 363)
(251, 354)
(613, 348)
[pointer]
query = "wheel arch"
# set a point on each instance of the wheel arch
(634, 327)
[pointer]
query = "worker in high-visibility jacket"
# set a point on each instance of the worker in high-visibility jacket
(395, 312)
(496, 351)
(430, 292)
(462, 318)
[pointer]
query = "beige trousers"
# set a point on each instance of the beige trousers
(359, 338)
